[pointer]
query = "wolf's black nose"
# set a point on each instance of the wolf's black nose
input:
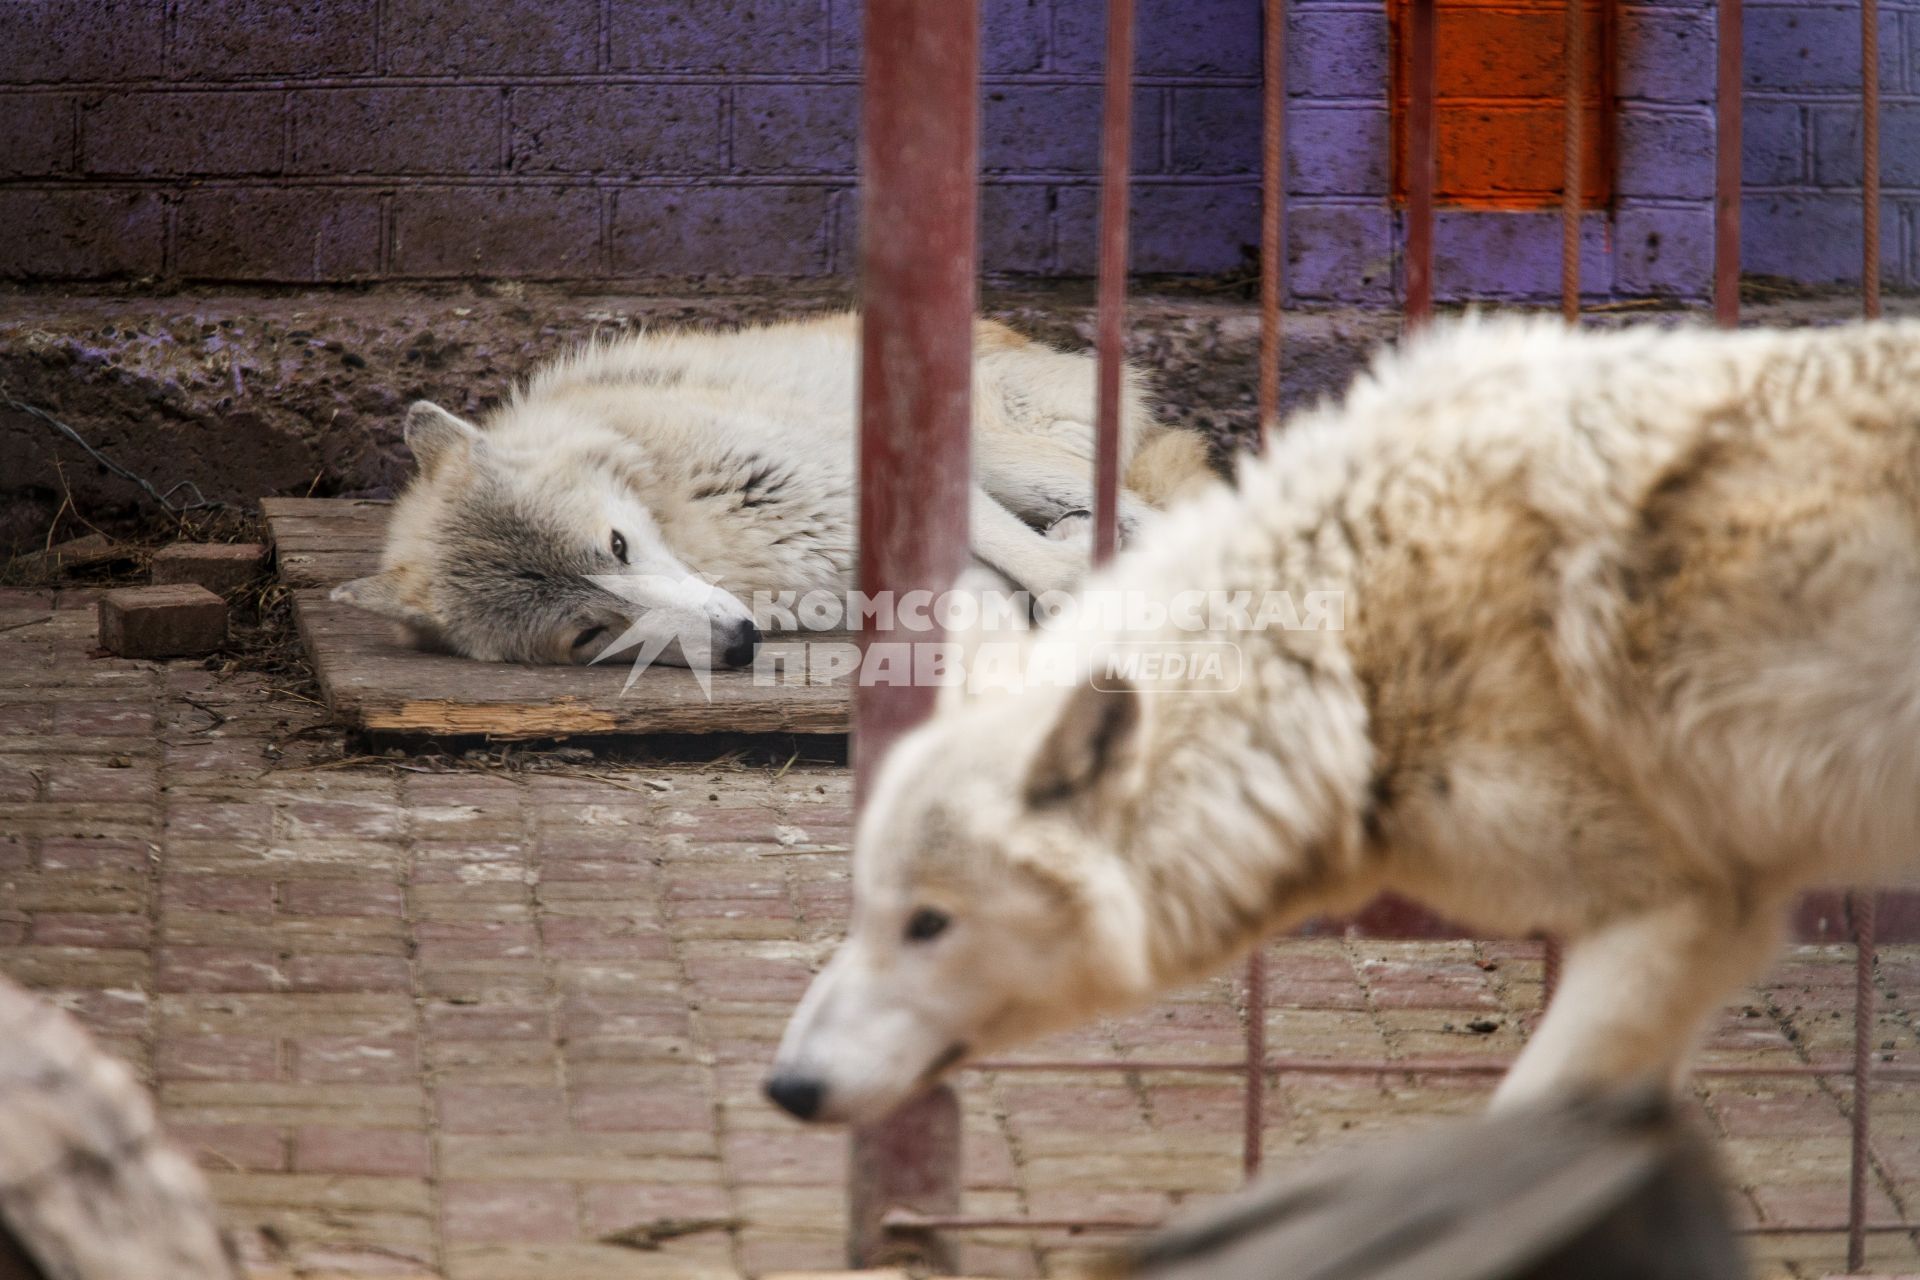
(796, 1095)
(742, 643)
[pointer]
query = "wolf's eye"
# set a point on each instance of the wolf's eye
(926, 923)
(588, 636)
(619, 544)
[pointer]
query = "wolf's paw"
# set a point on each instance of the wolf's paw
(1074, 528)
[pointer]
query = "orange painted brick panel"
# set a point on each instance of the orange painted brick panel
(1499, 74)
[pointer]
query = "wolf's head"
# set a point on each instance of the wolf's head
(548, 557)
(989, 905)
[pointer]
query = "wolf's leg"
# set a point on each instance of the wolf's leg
(1036, 563)
(1633, 996)
(1041, 481)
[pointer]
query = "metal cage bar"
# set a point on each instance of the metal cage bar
(1273, 211)
(919, 153)
(1870, 158)
(1573, 143)
(1116, 167)
(1420, 162)
(1726, 165)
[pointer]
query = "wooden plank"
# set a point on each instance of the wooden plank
(373, 681)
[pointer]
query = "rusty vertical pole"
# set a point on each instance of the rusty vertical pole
(1116, 167)
(1254, 1143)
(1726, 167)
(1860, 913)
(1574, 148)
(1549, 972)
(1870, 157)
(1420, 107)
(1273, 213)
(919, 157)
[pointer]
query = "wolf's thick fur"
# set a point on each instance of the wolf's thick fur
(672, 456)
(1630, 656)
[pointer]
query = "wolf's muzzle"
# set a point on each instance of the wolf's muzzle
(736, 643)
(796, 1095)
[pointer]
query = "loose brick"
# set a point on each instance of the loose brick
(621, 129)
(410, 130)
(162, 622)
(220, 567)
(510, 231)
(222, 38)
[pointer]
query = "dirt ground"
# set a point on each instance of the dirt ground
(473, 1015)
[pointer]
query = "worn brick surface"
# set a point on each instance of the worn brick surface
(218, 566)
(468, 1023)
(162, 621)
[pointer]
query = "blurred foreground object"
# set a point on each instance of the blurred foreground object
(1615, 1187)
(89, 1188)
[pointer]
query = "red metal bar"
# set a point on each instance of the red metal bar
(1573, 146)
(1273, 214)
(1860, 911)
(1870, 157)
(1116, 137)
(1726, 168)
(1255, 1066)
(1419, 162)
(919, 156)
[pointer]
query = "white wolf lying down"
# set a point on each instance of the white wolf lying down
(1629, 656)
(678, 459)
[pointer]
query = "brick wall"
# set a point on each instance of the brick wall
(1802, 141)
(344, 140)
(360, 139)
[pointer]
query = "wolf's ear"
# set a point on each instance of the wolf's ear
(386, 594)
(436, 436)
(1095, 737)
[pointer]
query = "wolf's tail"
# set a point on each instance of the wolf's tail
(1169, 465)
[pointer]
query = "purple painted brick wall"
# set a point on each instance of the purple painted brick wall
(350, 140)
(323, 140)
(1802, 141)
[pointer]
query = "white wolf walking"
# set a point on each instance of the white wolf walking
(701, 468)
(1629, 655)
